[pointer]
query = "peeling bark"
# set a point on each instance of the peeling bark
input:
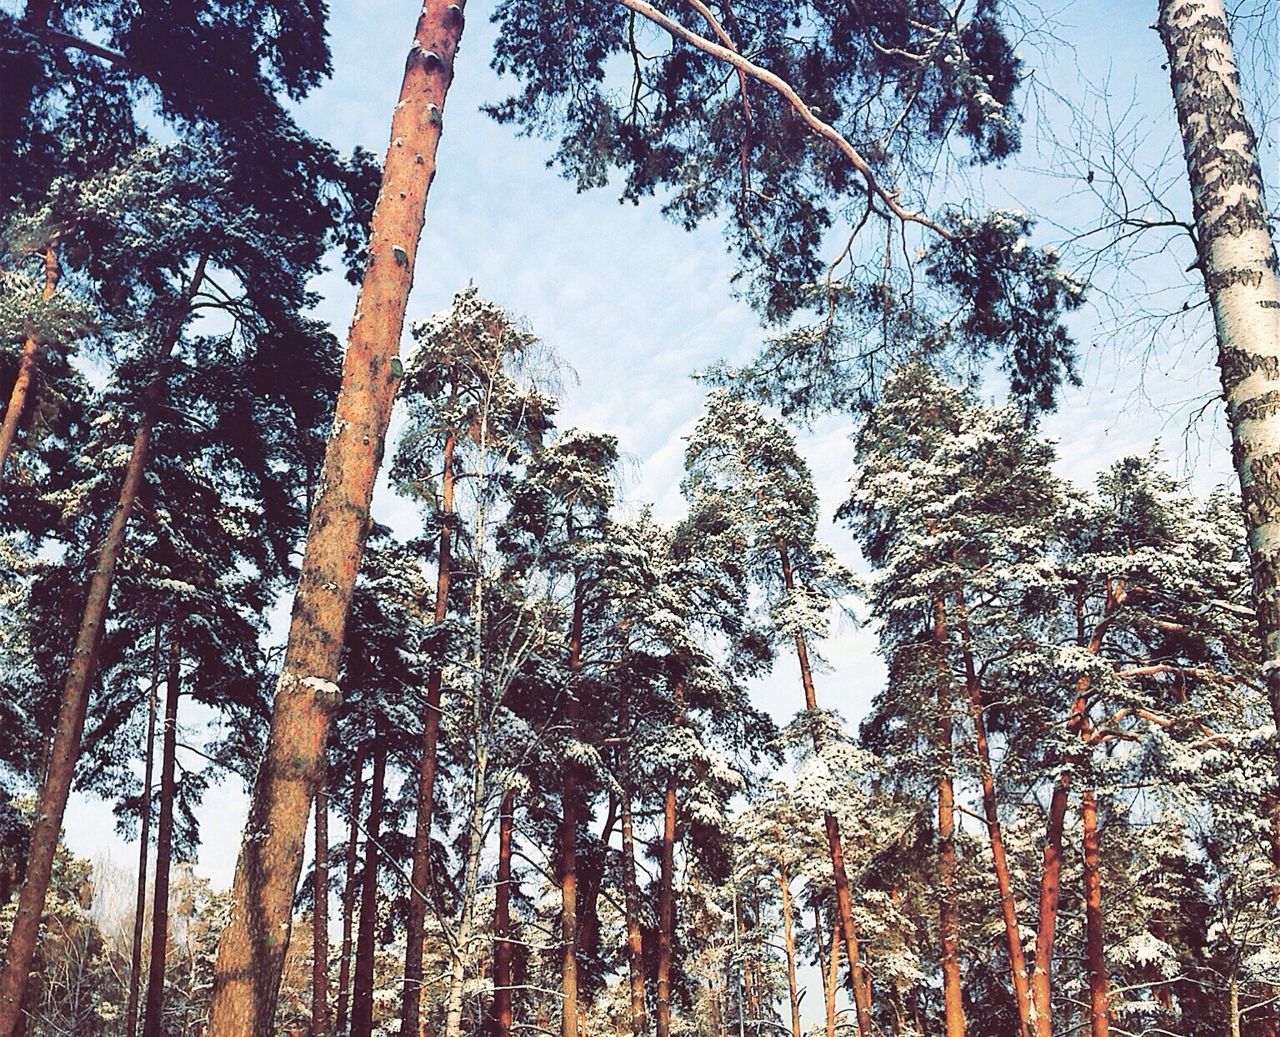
(320, 913)
(252, 949)
(1237, 258)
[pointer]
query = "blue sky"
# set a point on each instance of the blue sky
(634, 304)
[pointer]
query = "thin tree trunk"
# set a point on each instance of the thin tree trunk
(831, 971)
(666, 895)
(844, 900)
(1094, 958)
(789, 946)
(362, 985)
(1237, 258)
(471, 883)
(630, 889)
(144, 843)
(64, 749)
(1050, 893)
(411, 997)
(569, 835)
(952, 991)
(349, 895)
(27, 364)
(252, 949)
(1000, 861)
(153, 1018)
(503, 979)
(320, 913)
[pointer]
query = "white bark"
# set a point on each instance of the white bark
(1238, 261)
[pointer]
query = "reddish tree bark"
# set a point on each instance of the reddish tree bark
(789, 947)
(64, 749)
(630, 890)
(503, 977)
(411, 997)
(349, 895)
(153, 1018)
(948, 921)
(252, 949)
(666, 891)
(27, 364)
(320, 913)
(1099, 1016)
(829, 969)
(362, 984)
(1000, 861)
(569, 835)
(144, 842)
(858, 979)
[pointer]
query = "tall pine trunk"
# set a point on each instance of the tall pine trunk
(789, 947)
(144, 843)
(858, 979)
(153, 1017)
(1094, 956)
(666, 909)
(1237, 258)
(320, 913)
(251, 952)
(829, 969)
(503, 977)
(411, 997)
(349, 896)
(999, 858)
(948, 920)
(630, 889)
(362, 985)
(64, 749)
(27, 365)
(569, 835)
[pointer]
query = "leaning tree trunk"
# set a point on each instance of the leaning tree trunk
(153, 1018)
(362, 985)
(415, 926)
(251, 952)
(828, 969)
(503, 934)
(349, 895)
(27, 364)
(858, 979)
(65, 746)
(320, 913)
(948, 922)
(1237, 257)
(144, 842)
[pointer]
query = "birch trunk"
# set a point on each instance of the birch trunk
(1237, 258)
(411, 997)
(144, 842)
(153, 1019)
(64, 748)
(471, 882)
(251, 952)
(789, 947)
(27, 365)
